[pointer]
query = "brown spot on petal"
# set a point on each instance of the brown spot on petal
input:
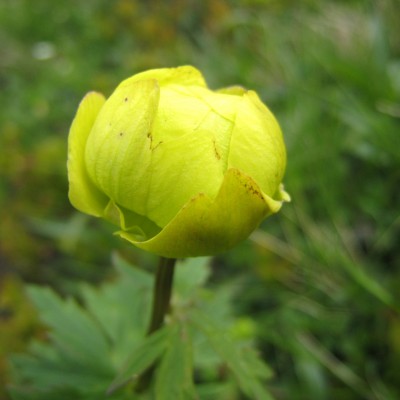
(150, 137)
(217, 155)
(253, 190)
(151, 146)
(156, 145)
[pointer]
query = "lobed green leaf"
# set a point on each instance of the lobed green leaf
(175, 374)
(144, 355)
(245, 365)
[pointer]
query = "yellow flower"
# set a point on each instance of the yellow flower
(181, 169)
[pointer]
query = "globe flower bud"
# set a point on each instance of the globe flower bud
(181, 169)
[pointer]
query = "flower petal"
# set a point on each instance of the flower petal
(83, 194)
(181, 169)
(233, 90)
(119, 148)
(184, 76)
(256, 145)
(206, 227)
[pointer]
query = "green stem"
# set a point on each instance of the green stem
(161, 306)
(162, 293)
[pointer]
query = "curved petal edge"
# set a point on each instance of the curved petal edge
(200, 227)
(185, 75)
(83, 194)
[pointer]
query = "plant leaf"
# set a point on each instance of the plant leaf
(191, 274)
(122, 307)
(245, 365)
(142, 358)
(175, 373)
(73, 331)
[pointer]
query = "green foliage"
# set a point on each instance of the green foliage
(99, 349)
(175, 374)
(145, 354)
(243, 363)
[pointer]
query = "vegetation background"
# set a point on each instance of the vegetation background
(320, 281)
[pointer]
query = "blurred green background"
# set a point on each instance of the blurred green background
(320, 281)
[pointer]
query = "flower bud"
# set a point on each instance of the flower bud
(181, 169)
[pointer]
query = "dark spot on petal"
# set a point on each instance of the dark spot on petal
(121, 134)
(251, 189)
(126, 99)
(150, 137)
(153, 148)
(217, 155)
